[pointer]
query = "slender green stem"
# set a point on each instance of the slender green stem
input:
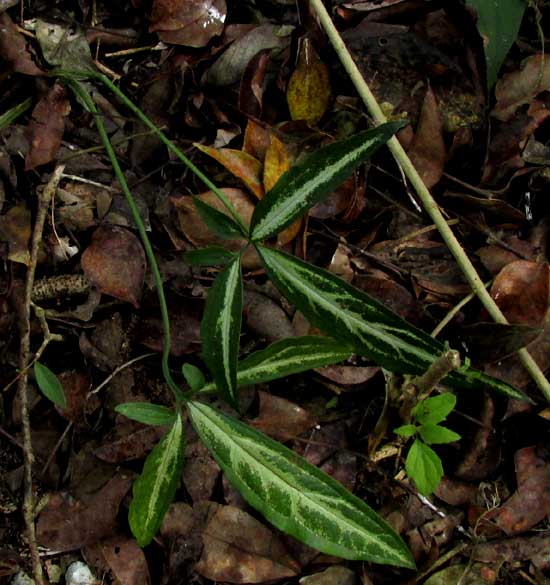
(422, 191)
(171, 146)
(91, 107)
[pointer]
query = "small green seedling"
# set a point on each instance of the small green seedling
(423, 464)
(49, 385)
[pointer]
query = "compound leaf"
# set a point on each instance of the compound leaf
(288, 356)
(147, 413)
(312, 179)
(155, 488)
(295, 496)
(221, 329)
(372, 330)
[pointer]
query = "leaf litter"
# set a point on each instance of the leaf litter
(256, 87)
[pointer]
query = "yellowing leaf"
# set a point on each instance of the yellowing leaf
(276, 163)
(308, 91)
(240, 164)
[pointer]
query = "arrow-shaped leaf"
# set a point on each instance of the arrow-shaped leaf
(294, 495)
(221, 329)
(307, 182)
(287, 357)
(155, 488)
(372, 330)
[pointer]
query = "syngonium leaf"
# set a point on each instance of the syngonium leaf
(147, 413)
(221, 329)
(372, 330)
(286, 357)
(155, 488)
(309, 181)
(295, 496)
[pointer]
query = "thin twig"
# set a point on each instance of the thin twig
(117, 371)
(24, 325)
(428, 202)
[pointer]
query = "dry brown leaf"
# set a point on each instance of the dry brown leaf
(256, 140)
(200, 472)
(188, 22)
(126, 561)
(530, 504)
(266, 317)
(129, 440)
(76, 386)
(520, 87)
(15, 231)
(13, 48)
(115, 263)
(47, 127)
(427, 151)
(281, 419)
(239, 549)
(68, 524)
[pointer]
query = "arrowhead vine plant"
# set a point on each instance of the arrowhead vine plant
(292, 494)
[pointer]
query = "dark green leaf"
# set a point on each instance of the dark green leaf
(211, 256)
(147, 413)
(371, 329)
(295, 496)
(221, 329)
(437, 435)
(193, 376)
(405, 430)
(288, 356)
(221, 224)
(423, 465)
(435, 409)
(50, 385)
(12, 114)
(498, 23)
(309, 181)
(155, 488)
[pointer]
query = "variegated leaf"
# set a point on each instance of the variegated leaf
(371, 329)
(147, 413)
(286, 357)
(155, 487)
(307, 182)
(295, 496)
(221, 329)
(221, 224)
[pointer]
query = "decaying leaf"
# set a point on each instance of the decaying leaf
(188, 22)
(308, 91)
(115, 263)
(239, 549)
(15, 231)
(13, 48)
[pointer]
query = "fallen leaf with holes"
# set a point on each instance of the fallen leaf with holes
(47, 126)
(192, 23)
(126, 560)
(115, 263)
(13, 48)
(68, 524)
(427, 151)
(240, 164)
(530, 504)
(239, 549)
(280, 418)
(15, 231)
(308, 92)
